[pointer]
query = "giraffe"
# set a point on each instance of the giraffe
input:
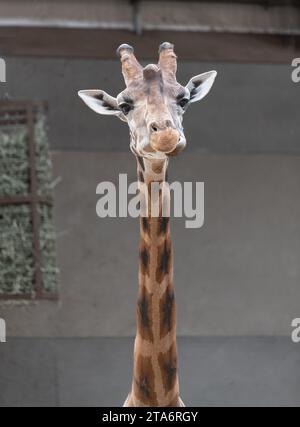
(153, 104)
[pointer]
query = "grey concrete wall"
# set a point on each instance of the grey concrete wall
(97, 372)
(238, 274)
(252, 108)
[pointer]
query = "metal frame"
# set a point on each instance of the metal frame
(16, 113)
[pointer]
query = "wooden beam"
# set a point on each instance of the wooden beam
(194, 46)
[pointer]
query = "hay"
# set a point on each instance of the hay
(48, 249)
(14, 167)
(16, 237)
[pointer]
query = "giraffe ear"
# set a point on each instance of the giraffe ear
(200, 85)
(100, 102)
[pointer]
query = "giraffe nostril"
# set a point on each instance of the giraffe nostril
(154, 127)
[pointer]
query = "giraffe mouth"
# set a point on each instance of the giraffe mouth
(148, 152)
(164, 141)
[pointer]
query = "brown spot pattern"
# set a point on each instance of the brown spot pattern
(141, 177)
(144, 310)
(164, 259)
(168, 366)
(157, 167)
(163, 225)
(143, 384)
(141, 162)
(144, 258)
(167, 311)
(145, 225)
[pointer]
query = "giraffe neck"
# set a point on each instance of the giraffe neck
(155, 378)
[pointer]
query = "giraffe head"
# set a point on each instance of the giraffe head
(153, 102)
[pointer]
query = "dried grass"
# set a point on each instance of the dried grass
(16, 237)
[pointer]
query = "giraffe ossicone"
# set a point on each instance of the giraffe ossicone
(153, 104)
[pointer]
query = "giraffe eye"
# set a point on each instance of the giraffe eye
(125, 108)
(183, 102)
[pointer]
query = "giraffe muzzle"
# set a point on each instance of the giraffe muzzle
(165, 140)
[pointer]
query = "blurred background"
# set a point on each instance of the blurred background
(237, 278)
